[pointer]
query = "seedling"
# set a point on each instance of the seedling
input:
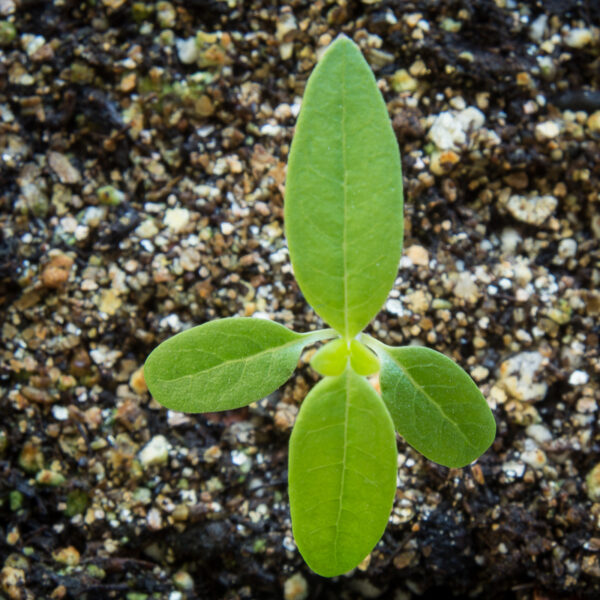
(344, 224)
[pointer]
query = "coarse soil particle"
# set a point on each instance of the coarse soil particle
(142, 168)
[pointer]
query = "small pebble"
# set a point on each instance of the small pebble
(212, 454)
(137, 382)
(519, 377)
(295, 588)
(154, 519)
(418, 255)
(110, 196)
(593, 122)
(61, 165)
(60, 413)
(56, 272)
(402, 81)
(147, 229)
(514, 469)
(12, 581)
(155, 452)
(176, 219)
(67, 556)
(535, 458)
(479, 373)
(285, 415)
(227, 228)
(540, 433)
(593, 483)
(567, 248)
(447, 132)
(578, 378)
(394, 306)
(190, 259)
(546, 131)
(184, 581)
(578, 37)
(533, 210)
(50, 478)
(109, 302)
(466, 288)
(187, 50)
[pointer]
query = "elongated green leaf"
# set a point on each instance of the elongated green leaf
(435, 405)
(343, 202)
(224, 364)
(342, 473)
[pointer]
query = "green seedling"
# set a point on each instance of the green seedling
(344, 225)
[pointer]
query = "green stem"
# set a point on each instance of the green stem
(320, 335)
(372, 343)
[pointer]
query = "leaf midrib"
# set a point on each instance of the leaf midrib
(343, 464)
(345, 194)
(311, 337)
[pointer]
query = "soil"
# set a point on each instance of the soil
(142, 169)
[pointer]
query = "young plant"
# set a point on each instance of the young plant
(343, 222)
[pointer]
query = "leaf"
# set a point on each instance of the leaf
(332, 358)
(362, 360)
(342, 473)
(435, 405)
(224, 364)
(343, 202)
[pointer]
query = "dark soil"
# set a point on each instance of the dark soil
(141, 192)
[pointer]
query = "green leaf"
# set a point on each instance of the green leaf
(332, 358)
(435, 405)
(342, 473)
(362, 360)
(224, 364)
(343, 202)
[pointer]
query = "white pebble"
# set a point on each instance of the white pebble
(578, 37)
(447, 132)
(176, 218)
(394, 306)
(60, 413)
(538, 28)
(540, 433)
(154, 519)
(227, 228)
(533, 210)
(270, 130)
(239, 458)
(534, 458)
(173, 322)
(295, 588)
(155, 452)
(471, 118)
(518, 376)
(514, 469)
(567, 248)
(579, 378)
(510, 240)
(187, 50)
(547, 130)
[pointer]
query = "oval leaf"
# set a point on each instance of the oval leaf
(223, 364)
(435, 405)
(343, 201)
(342, 473)
(332, 358)
(362, 360)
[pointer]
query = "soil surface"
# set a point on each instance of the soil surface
(142, 168)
